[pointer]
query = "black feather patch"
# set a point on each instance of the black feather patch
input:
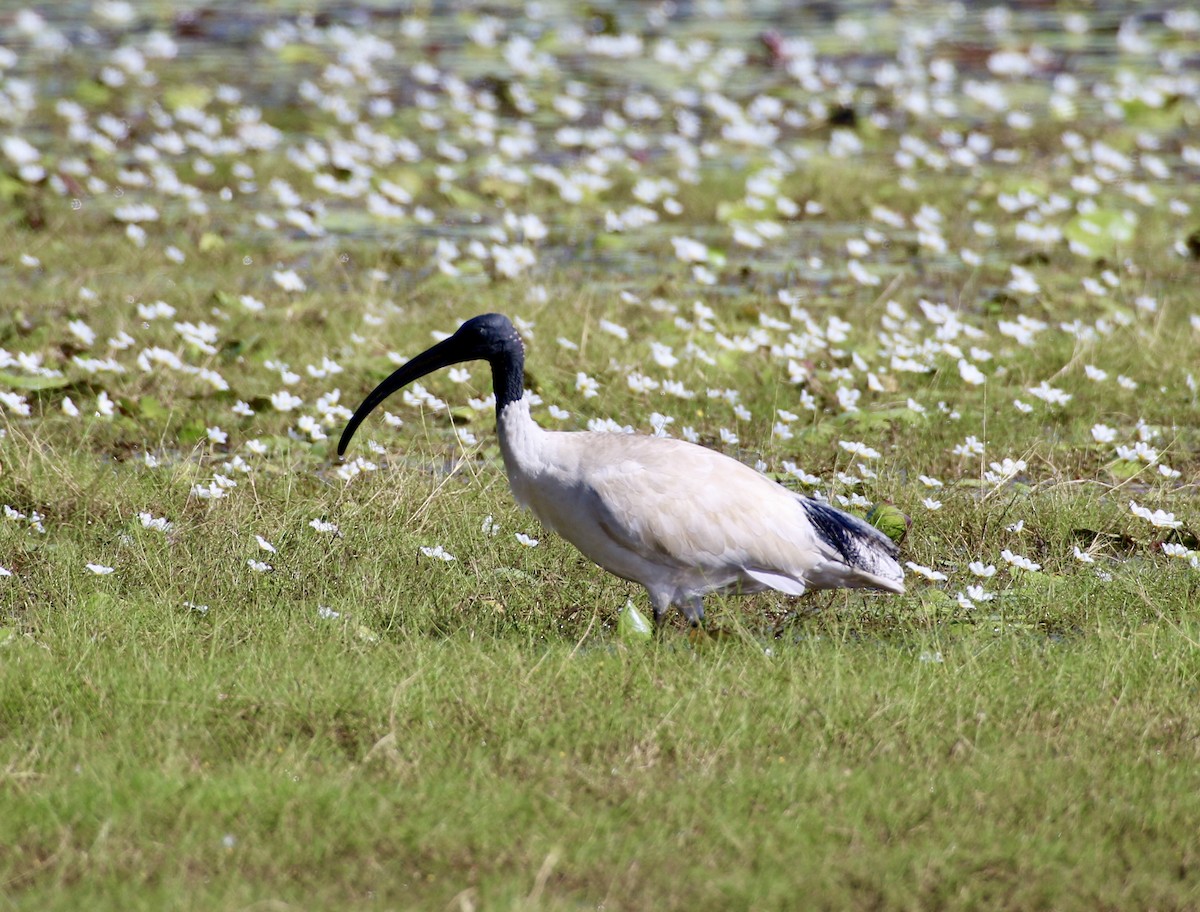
(857, 542)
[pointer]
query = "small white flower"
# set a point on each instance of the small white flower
(100, 569)
(979, 568)
(926, 572)
(1102, 433)
(4, 571)
(321, 525)
(1016, 527)
(526, 540)
(105, 407)
(1174, 550)
(1020, 561)
(70, 409)
(438, 552)
(289, 280)
(1160, 519)
(970, 373)
(931, 504)
(284, 401)
(490, 526)
(327, 613)
(979, 594)
(1083, 556)
(161, 524)
(265, 545)
(258, 566)
(858, 449)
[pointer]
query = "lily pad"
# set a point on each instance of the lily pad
(1101, 233)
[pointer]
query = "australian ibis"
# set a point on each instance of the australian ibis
(680, 519)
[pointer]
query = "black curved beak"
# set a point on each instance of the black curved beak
(453, 350)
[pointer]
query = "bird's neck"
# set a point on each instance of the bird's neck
(508, 378)
(522, 446)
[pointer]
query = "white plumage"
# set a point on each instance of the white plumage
(679, 519)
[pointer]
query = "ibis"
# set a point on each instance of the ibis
(679, 519)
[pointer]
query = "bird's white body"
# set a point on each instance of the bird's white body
(682, 520)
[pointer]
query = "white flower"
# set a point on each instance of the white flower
(586, 385)
(526, 540)
(289, 280)
(161, 524)
(929, 574)
(100, 569)
(1083, 556)
(970, 447)
(321, 525)
(1019, 561)
(265, 545)
(105, 407)
(490, 526)
(614, 329)
(259, 566)
(979, 568)
(1160, 519)
(1102, 433)
(931, 504)
(327, 613)
(4, 571)
(979, 594)
(1015, 527)
(284, 401)
(689, 251)
(1050, 394)
(1173, 550)
(930, 482)
(437, 551)
(970, 373)
(858, 449)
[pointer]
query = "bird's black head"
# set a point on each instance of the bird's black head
(488, 337)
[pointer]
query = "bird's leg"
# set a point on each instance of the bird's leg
(693, 610)
(661, 603)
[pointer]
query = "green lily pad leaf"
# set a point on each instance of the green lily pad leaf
(1124, 468)
(187, 96)
(890, 520)
(92, 94)
(1101, 233)
(19, 381)
(210, 241)
(300, 53)
(192, 432)
(632, 624)
(152, 409)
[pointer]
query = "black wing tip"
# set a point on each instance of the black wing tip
(845, 533)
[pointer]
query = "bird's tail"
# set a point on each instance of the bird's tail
(868, 553)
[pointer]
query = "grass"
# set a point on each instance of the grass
(367, 726)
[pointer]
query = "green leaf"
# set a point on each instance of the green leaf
(187, 96)
(632, 624)
(1101, 233)
(152, 409)
(210, 242)
(20, 381)
(92, 94)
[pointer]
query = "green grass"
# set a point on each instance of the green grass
(368, 727)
